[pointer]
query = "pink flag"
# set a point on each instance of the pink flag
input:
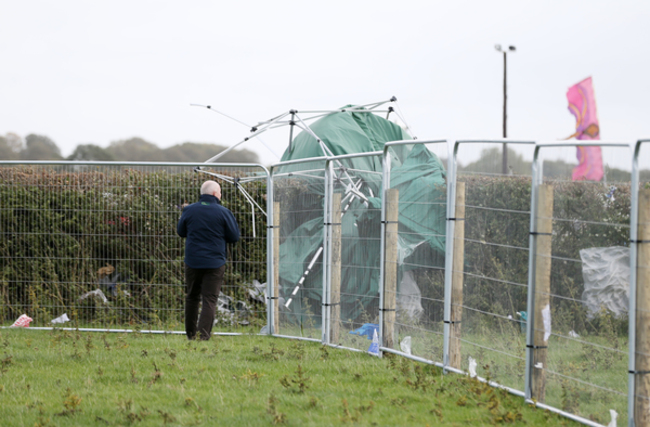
(582, 104)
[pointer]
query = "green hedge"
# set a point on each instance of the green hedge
(60, 227)
(585, 216)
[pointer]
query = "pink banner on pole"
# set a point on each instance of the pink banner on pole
(582, 104)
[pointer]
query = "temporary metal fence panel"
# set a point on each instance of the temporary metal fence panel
(299, 197)
(639, 355)
(353, 228)
(416, 197)
(97, 242)
(577, 307)
(488, 277)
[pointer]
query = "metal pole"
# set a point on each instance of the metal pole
(270, 273)
(327, 232)
(536, 180)
(449, 253)
(504, 161)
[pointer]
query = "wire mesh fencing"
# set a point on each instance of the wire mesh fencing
(639, 357)
(97, 242)
(525, 276)
(415, 229)
(299, 197)
(489, 276)
(578, 300)
(353, 222)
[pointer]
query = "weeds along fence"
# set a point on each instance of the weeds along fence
(527, 279)
(98, 242)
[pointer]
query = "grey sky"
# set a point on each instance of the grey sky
(95, 72)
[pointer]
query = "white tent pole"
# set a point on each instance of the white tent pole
(252, 207)
(216, 175)
(250, 199)
(234, 182)
(326, 150)
(257, 132)
(353, 109)
(240, 122)
(313, 261)
(399, 113)
(209, 107)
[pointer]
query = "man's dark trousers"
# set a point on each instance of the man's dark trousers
(202, 284)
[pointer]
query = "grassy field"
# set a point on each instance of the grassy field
(585, 376)
(69, 378)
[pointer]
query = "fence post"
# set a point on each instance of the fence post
(390, 267)
(276, 267)
(642, 360)
(543, 240)
(457, 278)
(335, 270)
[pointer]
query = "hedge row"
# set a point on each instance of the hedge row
(586, 214)
(61, 227)
(69, 233)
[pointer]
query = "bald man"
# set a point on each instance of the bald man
(208, 226)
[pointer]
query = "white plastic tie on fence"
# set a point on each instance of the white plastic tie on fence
(405, 345)
(472, 367)
(546, 317)
(573, 334)
(614, 415)
(61, 319)
(539, 365)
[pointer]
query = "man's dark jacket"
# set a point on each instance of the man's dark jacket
(208, 226)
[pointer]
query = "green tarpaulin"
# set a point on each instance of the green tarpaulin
(416, 172)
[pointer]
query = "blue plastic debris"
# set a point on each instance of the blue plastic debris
(374, 345)
(367, 329)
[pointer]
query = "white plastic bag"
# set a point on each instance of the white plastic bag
(61, 319)
(606, 274)
(472, 367)
(405, 345)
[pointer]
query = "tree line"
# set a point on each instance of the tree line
(490, 163)
(41, 147)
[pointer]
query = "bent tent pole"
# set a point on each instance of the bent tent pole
(237, 183)
(240, 122)
(364, 108)
(399, 114)
(326, 150)
(254, 134)
(247, 196)
(275, 122)
(315, 258)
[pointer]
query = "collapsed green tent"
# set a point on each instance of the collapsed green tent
(416, 172)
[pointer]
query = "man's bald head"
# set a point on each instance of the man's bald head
(212, 188)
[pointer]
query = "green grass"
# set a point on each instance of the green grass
(68, 378)
(586, 377)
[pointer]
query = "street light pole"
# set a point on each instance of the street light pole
(504, 160)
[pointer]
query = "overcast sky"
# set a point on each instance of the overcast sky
(95, 72)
